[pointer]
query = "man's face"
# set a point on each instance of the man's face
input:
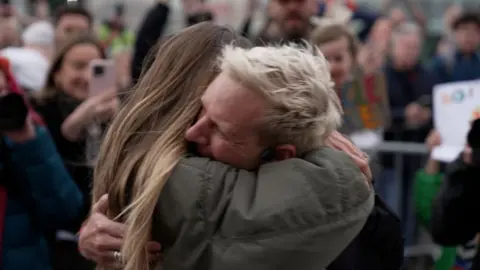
(70, 25)
(227, 127)
(406, 50)
(467, 37)
(293, 16)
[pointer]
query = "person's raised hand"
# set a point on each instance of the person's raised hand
(433, 140)
(99, 108)
(96, 109)
(467, 155)
(339, 142)
(105, 105)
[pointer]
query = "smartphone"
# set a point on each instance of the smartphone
(103, 76)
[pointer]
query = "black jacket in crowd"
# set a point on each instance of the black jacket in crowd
(456, 211)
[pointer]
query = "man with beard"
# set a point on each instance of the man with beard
(70, 21)
(292, 19)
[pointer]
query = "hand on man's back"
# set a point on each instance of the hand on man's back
(339, 142)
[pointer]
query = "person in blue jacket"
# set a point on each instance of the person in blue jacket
(37, 193)
(462, 63)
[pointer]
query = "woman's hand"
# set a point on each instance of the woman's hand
(101, 237)
(339, 142)
(99, 108)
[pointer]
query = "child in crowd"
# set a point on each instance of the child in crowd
(340, 48)
(463, 63)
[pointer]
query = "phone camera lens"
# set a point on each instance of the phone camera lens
(98, 71)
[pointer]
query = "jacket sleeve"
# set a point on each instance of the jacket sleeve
(149, 33)
(454, 217)
(54, 194)
(235, 219)
(426, 188)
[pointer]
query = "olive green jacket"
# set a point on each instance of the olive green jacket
(297, 214)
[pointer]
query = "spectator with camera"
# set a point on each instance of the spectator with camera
(37, 193)
(455, 219)
(76, 120)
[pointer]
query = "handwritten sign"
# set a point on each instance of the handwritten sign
(365, 103)
(455, 105)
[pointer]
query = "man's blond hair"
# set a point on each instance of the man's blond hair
(295, 80)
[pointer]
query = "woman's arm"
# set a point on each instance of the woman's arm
(150, 31)
(56, 198)
(74, 126)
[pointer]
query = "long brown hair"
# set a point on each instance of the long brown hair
(50, 88)
(146, 138)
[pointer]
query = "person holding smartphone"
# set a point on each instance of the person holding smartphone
(76, 103)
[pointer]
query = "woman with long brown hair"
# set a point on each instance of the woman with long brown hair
(145, 146)
(167, 102)
(69, 113)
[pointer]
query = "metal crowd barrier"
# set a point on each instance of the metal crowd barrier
(398, 149)
(423, 246)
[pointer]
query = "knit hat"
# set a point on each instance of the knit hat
(39, 33)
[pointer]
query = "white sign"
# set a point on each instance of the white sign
(455, 106)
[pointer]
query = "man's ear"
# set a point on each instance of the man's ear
(285, 151)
